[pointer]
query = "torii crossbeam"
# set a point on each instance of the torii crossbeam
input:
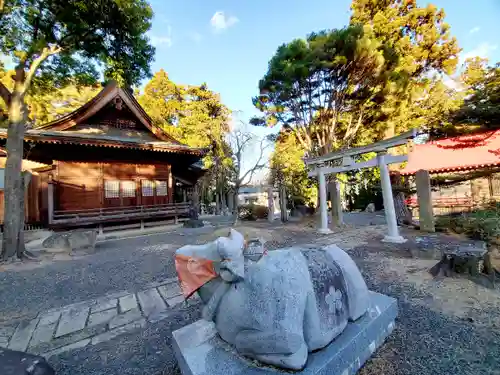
(319, 167)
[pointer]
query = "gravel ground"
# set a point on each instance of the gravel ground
(447, 326)
(118, 265)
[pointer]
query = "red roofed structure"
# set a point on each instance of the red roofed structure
(455, 154)
(459, 156)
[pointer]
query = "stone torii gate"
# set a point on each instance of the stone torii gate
(342, 161)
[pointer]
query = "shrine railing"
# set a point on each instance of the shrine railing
(444, 205)
(118, 214)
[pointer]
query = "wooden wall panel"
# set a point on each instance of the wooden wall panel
(72, 195)
(85, 173)
(43, 201)
(80, 185)
(118, 171)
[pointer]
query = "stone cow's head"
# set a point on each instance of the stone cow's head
(198, 264)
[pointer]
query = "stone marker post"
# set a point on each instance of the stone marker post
(270, 204)
(323, 206)
(426, 214)
(230, 202)
(334, 188)
(283, 204)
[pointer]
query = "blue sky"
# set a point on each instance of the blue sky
(228, 43)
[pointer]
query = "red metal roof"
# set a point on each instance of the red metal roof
(456, 154)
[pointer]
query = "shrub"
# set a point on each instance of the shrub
(252, 212)
(481, 224)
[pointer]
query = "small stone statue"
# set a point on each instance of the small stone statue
(274, 307)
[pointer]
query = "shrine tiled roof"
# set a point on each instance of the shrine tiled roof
(78, 128)
(104, 140)
(462, 153)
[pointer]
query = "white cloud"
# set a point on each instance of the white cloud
(474, 30)
(453, 83)
(482, 50)
(162, 40)
(220, 21)
(195, 36)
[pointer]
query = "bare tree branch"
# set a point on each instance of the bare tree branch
(241, 143)
(257, 166)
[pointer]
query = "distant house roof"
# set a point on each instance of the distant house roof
(455, 154)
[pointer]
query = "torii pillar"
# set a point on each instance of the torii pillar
(389, 210)
(323, 206)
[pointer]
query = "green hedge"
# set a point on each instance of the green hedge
(252, 212)
(481, 224)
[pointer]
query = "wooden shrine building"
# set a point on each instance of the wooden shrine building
(107, 163)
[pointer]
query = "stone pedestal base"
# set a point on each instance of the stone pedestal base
(193, 223)
(394, 239)
(200, 351)
(324, 231)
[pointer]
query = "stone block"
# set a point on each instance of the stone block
(43, 333)
(72, 320)
(66, 348)
(151, 302)
(106, 336)
(22, 335)
(101, 317)
(72, 240)
(174, 301)
(169, 291)
(125, 318)
(127, 303)
(66, 340)
(104, 304)
(200, 351)
(50, 317)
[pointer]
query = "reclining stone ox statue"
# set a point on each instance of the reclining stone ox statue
(274, 307)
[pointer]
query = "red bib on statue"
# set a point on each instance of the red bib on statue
(193, 273)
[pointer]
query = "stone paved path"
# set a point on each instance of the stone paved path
(94, 321)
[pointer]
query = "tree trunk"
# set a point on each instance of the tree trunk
(235, 205)
(235, 201)
(224, 202)
(390, 130)
(217, 203)
(13, 241)
(403, 214)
